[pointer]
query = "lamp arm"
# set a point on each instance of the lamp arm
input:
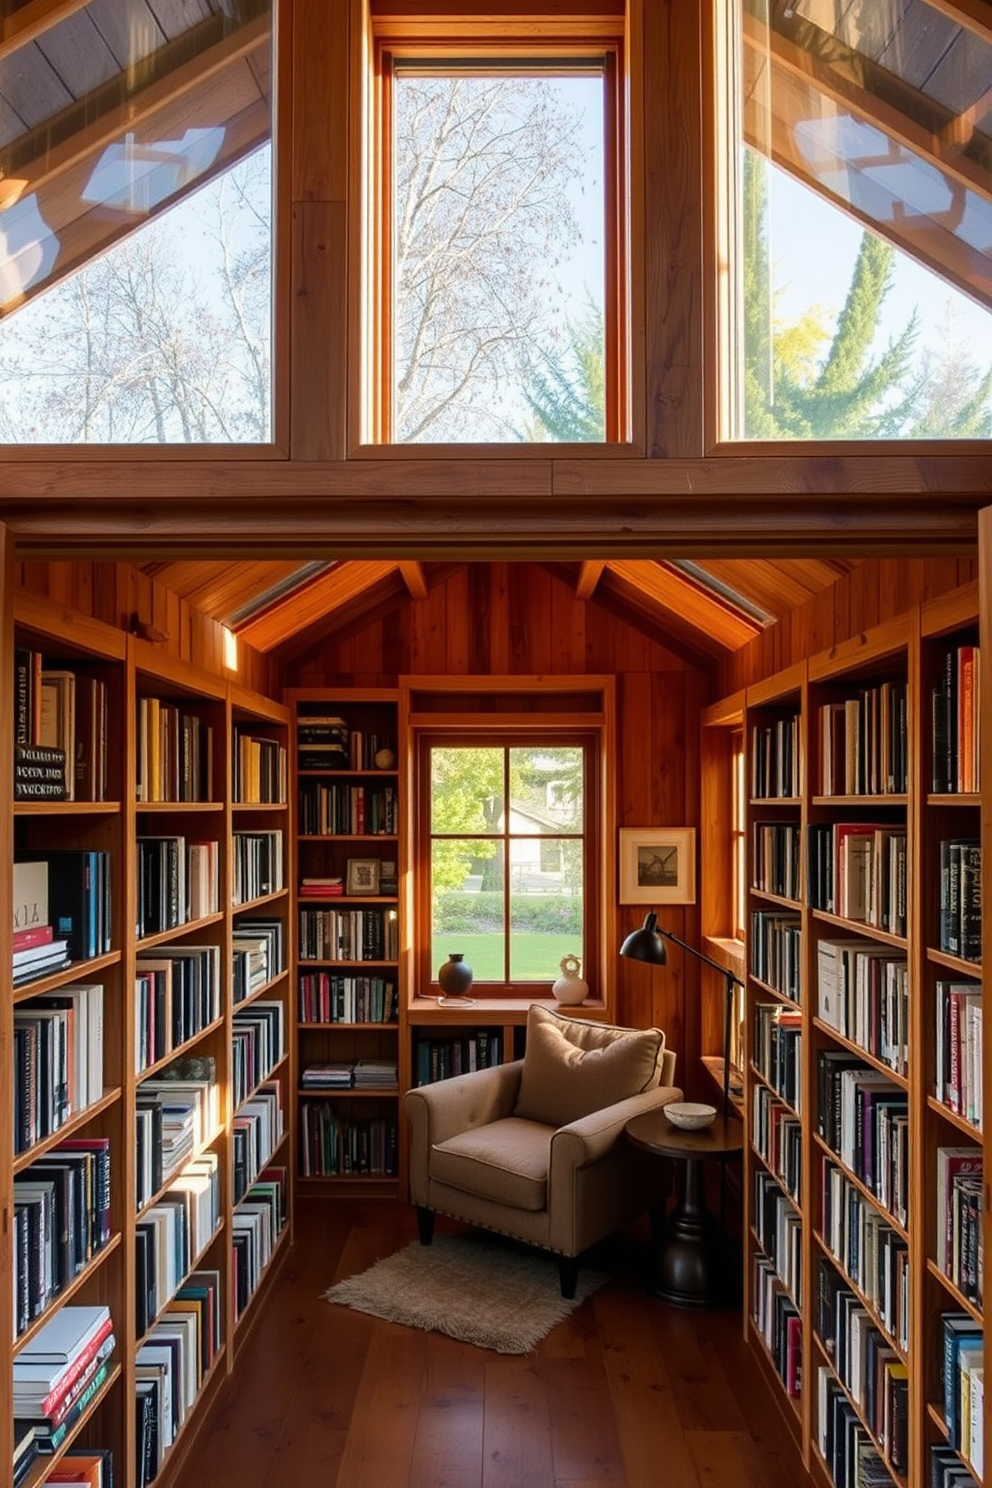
(725, 972)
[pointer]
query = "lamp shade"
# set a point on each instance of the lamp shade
(646, 943)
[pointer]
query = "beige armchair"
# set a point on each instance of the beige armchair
(536, 1149)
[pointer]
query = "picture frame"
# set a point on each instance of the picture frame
(363, 876)
(657, 865)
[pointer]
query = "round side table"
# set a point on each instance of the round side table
(692, 1261)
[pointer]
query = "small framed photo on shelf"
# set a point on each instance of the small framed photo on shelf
(657, 865)
(363, 876)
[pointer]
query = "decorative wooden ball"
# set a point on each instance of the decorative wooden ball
(385, 759)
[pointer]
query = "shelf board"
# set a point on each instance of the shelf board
(961, 1122)
(237, 806)
(955, 1294)
(74, 972)
(66, 808)
(151, 1070)
(859, 927)
(154, 808)
(855, 1048)
(863, 1189)
(44, 1464)
(880, 798)
(161, 937)
(954, 963)
(70, 1128)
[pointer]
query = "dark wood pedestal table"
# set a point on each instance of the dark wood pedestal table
(694, 1267)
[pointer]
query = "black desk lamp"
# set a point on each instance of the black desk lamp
(648, 944)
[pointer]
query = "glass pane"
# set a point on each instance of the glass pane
(546, 789)
(498, 248)
(467, 906)
(545, 906)
(864, 262)
(135, 193)
(466, 790)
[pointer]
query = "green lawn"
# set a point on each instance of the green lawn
(535, 957)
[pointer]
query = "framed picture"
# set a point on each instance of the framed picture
(657, 865)
(363, 876)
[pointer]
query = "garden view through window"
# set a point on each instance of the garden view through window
(507, 846)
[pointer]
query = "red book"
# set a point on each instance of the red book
(34, 935)
(57, 1400)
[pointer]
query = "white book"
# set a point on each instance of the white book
(66, 1334)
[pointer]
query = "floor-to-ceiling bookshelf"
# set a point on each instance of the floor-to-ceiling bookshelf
(166, 805)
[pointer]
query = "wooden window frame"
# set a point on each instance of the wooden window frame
(514, 733)
(533, 40)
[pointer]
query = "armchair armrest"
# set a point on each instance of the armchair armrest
(442, 1110)
(591, 1137)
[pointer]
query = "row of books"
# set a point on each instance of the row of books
(177, 995)
(864, 1118)
(961, 897)
(62, 909)
(172, 1233)
(956, 711)
(963, 1381)
(871, 1369)
(61, 1221)
(256, 1131)
(778, 1321)
(958, 1057)
(872, 1255)
(775, 949)
(776, 858)
(170, 1367)
(58, 1060)
(948, 1471)
(177, 1112)
(862, 991)
(60, 732)
(178, 881)
(776, 1135)
(174, 752)
(844, 1441)
(256, 1226)
(59, 1371)
(779, 1230)
(456, 1054)
(857, 870)
(873, 1374)
(340, 809)
(326, 998)
(259, 955)
(258, 1042)
(361, 1074)
(258, 865)
(335, 1145)
(863, 742)
(260, 769)
(777, 1050)
(960, 1199)
(775, 758)
(348, 935)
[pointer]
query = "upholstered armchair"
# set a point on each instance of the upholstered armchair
(536, 1149)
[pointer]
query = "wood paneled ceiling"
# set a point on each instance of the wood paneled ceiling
(708, 609)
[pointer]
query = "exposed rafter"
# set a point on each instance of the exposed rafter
(589, 576)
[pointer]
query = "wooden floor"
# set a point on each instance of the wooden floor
(628, 1393)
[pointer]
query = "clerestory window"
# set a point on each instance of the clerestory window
(496, 294)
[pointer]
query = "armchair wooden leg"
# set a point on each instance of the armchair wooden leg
(425, 1225)
(568, 1274)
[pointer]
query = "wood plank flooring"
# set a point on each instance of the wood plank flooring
(627, 1393)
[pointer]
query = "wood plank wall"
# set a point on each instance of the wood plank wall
(115, 592)
(504, 618)
(876, 590)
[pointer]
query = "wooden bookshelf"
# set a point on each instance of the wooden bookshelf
(914, 789)
(192, 806)
(347, 782)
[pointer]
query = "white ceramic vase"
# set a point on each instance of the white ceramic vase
(570, 988)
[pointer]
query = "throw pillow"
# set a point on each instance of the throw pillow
(573, 1067)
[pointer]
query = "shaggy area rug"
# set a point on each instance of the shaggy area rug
(488, 1294)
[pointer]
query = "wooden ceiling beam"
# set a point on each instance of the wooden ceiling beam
(33, 20)
(414, 579)
(319, 601)
(675, 594)
(589, 576)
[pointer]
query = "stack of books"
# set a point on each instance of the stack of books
(58, 1373)
(328, 1077)
(37, 952)
(375, 1074)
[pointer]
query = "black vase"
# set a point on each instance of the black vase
(455, 975)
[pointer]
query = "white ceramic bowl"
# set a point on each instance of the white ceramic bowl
(689, 1115)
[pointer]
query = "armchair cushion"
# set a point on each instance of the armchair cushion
(572, 1067)
(506, 1161)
